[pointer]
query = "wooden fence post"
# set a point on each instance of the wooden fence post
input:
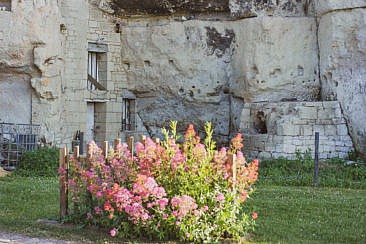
(117, 142)
(64, 163)
(89, 152)
(142, 139)
(105, 149)
(130, 144)
(76, 152)
(232, 162)
(157, 140)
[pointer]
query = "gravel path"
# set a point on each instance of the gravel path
(21, 239)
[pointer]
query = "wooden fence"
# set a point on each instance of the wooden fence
(65, 159)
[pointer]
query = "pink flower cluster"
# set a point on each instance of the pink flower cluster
(137, 188)
(182, 206)
(147, 187)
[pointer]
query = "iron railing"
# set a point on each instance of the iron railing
(15, 139)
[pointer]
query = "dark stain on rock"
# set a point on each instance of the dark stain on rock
(289, 6)
(218, 43)
(249, 8)
(167, 7)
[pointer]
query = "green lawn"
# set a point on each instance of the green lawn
(287, 214)
(24, 201)
(291, 214)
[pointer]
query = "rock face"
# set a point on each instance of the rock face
(166, 7)
(284, 8)
(174, 80)
(233, 62)
(271, 65)
(233, 8)
(191, 66)
(326, 6)
(30, 57)
(16, 96)
(342, 43)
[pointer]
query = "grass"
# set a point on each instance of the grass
(289, 209)
(289, 214)
(300, 172)
(24, 201)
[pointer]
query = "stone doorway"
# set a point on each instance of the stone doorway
(96, 121)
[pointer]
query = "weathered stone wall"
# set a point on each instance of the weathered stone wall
(270, 64)
(284, 8)
(232, 8)
(15, 96)
(342, 43)
(166, 7)
(30, 56)
(90, 25)
(192, 61)
(177, 69)
(281, 129)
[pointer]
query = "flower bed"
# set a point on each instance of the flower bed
(188, 191)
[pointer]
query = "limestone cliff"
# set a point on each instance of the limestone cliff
(215, 52)
(31, 64)
(188, 60)
(342, 44)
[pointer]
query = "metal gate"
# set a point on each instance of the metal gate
(15, 139)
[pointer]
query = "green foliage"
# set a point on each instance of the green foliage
(40, 162)
(300, 172)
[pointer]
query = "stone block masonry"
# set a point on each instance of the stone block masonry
(282, 129)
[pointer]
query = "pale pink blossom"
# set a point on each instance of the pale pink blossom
(220, 197)
(113, 232)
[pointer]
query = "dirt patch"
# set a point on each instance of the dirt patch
(4, 172)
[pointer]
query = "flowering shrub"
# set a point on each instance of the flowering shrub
(169, 191)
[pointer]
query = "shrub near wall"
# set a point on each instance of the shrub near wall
(40, 162)
(168, 191)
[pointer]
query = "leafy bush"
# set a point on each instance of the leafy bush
(40, 162)
(168, 191)
(300, 172)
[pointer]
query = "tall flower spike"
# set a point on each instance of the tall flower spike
(190, 133)
(236, 143)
